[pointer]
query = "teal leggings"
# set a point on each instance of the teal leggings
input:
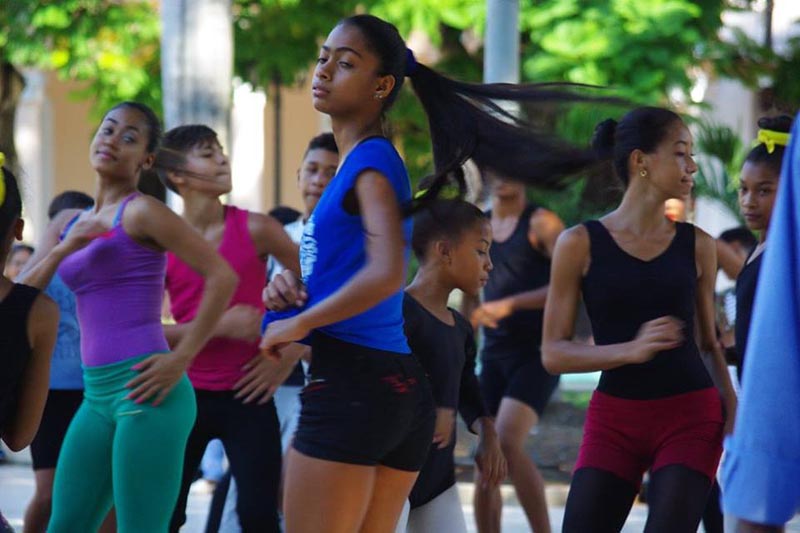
(117, 452)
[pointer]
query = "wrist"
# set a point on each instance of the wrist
(485, 428)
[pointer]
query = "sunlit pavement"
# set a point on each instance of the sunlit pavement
(16, 488)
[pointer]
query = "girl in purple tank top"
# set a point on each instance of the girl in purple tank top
(126, 443)
(233, 383)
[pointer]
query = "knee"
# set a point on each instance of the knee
(512, 444)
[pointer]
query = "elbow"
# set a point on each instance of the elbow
(551, 360)
(17, 443)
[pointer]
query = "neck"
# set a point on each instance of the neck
(508, 206)
(429, 289)
(110, 191)
(202, 211)
(642, 208)
(349, 131)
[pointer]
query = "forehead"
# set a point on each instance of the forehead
(678, 133)
(322, 156)
(347, 36)
(207, 142)
(753, 173)
(126, 117)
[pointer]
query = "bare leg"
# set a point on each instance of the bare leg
(325, 496)
(390, 491)
(515, 420)
(37, 515)
(488, 505)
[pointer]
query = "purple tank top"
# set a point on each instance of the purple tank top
(119, 286)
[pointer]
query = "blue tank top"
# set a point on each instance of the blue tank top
(65, 367)
(622, 292)
(333, 247)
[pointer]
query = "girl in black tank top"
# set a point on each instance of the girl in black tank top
(28, 325)
(645, 281)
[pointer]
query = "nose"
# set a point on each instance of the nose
(489, 264)
(322, 72)
(692, 168)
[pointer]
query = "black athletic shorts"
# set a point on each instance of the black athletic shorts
(61, 406)
(521, 378)
(364, 406)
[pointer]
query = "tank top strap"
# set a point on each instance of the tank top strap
(121, 208)
(20, 300)
(598, 235)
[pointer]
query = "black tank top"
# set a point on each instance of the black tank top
(518, 267)
(15, 348)
(745, 296)
(622, 292)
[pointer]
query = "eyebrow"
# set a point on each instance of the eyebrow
(682, 142)
(342, 49)
(487, 242)
(126, 127)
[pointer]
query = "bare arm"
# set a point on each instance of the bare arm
(42, 266)
(271, 239)
(728, 259)
(543, 230)
(150, 220)
(706, 258)
(381, 276)
(42, 331)
(560, 354)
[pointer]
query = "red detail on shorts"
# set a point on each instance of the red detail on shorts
(312, 387)
(626, 437)
(400, 383)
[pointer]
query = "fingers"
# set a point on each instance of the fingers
(268, 395)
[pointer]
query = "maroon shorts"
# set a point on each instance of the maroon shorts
(626, 437)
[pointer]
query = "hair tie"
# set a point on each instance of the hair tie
(448, 192)
(771, 138)
(2, 178)
(411, 63)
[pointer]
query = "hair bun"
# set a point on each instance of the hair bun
(603, 138)
(781, 123)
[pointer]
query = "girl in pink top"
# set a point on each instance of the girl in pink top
(233, 384)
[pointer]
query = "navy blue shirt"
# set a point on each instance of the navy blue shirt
(333, 248)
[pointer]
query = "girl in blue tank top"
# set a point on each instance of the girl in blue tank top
(367, 417)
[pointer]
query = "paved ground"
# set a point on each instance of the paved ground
(16, 487)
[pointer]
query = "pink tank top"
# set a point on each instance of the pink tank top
(218, 366)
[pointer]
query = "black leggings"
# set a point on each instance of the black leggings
(251, 436)
(599, 501)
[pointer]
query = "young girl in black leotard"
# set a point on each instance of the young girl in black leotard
(644, 279)
(451, 241)
(28, 328)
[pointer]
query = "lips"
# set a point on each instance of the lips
(319, 92)
(105, 155)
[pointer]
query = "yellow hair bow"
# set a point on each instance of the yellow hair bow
(2, 178)
(771, 138)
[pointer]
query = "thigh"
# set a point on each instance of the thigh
(677, 497)
(148, 458)
(443, 513)
(252, 442)
(598, 502)
(82, 490)
(389, 493)
(514, 421)
(325, 496)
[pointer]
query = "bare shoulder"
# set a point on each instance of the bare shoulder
(574, 240)
(703, 242)
(544, 217)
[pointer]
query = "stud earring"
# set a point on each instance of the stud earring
(643, 173)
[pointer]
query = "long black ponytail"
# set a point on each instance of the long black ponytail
(466, 121)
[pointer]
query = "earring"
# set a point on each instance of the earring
(643, 173)
(378, 96)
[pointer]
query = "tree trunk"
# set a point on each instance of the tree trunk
(197, 64)
(11, 85)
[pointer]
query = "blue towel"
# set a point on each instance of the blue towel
(761, 469)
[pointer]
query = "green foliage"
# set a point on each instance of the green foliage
(112, 46)
(279, 39)
(723, 154)
(641, 48)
